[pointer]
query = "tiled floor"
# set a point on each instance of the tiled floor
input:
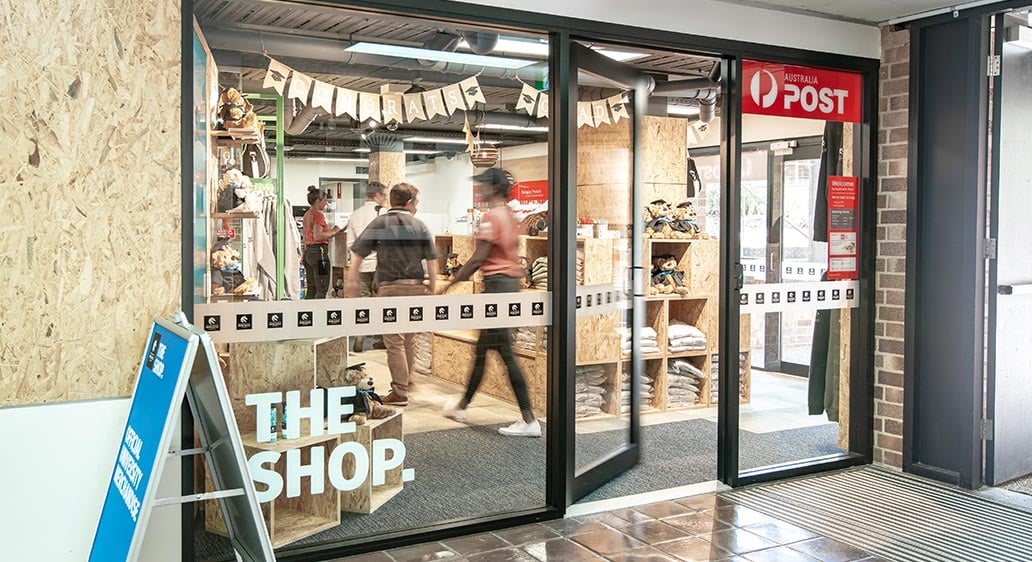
(704, 527)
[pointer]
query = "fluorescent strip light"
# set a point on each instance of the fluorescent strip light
(442, 56)
(444, 140)
(621, 56)
(514, 46)
(501, 127)
(360, 150)
(332, 159)
(411, 151)
(682, 110)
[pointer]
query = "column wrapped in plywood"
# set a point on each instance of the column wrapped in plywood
(90, 228)
(387, 168)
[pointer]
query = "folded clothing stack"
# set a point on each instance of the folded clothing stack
(591, 390)
(526, 338)
(649, 344)
(539, 273)
(685, 337)
(743, 360)
(424, 356)
(647, 390)
(684, 383)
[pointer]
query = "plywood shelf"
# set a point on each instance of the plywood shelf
(291, 525)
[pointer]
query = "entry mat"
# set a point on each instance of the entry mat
(896, 516)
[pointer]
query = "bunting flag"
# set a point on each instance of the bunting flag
(322, 96)
(276, 76)
(600, 112)
(414, 107)
(300, 84)
(474, 93)
(362, 105)
(471, 141)
(527, 100)
(453, 99)
(584, 114)
(347, 103)
(369, 107)
(542, 108)
(618, 107)
(434, 102)
(392, 105)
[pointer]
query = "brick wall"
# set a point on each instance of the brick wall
(893, 106)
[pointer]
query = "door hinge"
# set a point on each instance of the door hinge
(990, 248)
(994, 66)
(987, 430)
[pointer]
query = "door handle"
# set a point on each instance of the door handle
(739, 276)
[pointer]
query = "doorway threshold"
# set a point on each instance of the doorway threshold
(623, 502)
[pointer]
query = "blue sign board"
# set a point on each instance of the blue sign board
(159, 392)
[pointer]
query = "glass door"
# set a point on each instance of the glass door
(604, 368)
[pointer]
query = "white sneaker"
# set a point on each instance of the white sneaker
(452, 411)
(522, 429)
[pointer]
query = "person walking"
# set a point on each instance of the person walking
(402, 244)
(495, 256)
(317, 237)
(376, 196)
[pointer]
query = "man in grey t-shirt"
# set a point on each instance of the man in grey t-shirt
(402, 244)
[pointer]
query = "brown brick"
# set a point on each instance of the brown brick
(894, 395)
(891, 281)
(879, 360)
(879, 296)
(895, 200)
(884, 72)
(878, 393)
(893, 217)
(896, 232)
(899, 102)
(883, 104)
(896, 54)
(887, 378)
(890, 346)
(893, 458)
(883, 169)
(892, 249)
(894, 329)
(890, 442)
(900, 70)
(892, 119)
(877, 456)
(891, 39)
(895, 363)
(879, 328)
(897, 168)
(892, 427)
(883, 136)
(895, 297)
(898, 265)
(901, 134)
(894, 151)
(887, 410)
(893, 184)
(895, 87)
(890, 313)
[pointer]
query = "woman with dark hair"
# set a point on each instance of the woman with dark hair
(317, 236)
(495, 256)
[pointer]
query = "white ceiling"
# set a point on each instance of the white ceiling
(868, 11)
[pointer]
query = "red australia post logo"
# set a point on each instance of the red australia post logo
(797, 91)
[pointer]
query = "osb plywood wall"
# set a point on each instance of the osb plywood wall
(89, 192)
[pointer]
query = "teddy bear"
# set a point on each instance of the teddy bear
(235, 112)
(367, 403)
(452, 265)
(225, 268)
(657, 220)
(233, 182)
(666, 279)
(684, 221)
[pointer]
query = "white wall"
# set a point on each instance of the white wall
(301, 173)
(446, 191)
(57, 464)
(714, 18)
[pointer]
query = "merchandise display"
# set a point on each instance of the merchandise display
(684, 337)
(423, 364)
(649, 343)
(677, 222)
(743, 370)
(685, 382)
(539, 273)
(591, 390)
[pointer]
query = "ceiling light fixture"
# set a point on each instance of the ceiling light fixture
(517, 46)
(620, 56)
(445, 140)
(503, 127)
(413, 151)
(682, 110)
(442, 56)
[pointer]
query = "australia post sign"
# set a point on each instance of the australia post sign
(798, 91)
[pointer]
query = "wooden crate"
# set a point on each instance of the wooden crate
(288, 519)
(368, 498)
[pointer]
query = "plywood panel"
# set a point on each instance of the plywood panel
(87, 255)
(598, 339)
(844, 376)
(604, 154)
(672, 193)
(269, 367)
(453, 359)
(387, 168)
(665, 150)
(527, 169)
(609, 201)
(705, 267)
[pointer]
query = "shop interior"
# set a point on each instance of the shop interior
(253, 170)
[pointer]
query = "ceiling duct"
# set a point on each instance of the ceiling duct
(440, 42)
(481, 42)
(702, 90)
(295, 124)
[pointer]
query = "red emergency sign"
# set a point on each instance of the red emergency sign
(799, 91)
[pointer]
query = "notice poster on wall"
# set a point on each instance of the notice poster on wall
(530, 191)
(843, 193)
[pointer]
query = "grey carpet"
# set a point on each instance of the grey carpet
(897, 516)
(471, 472)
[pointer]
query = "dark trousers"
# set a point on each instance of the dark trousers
(498, 340)
(316, 284)
(365, 283)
